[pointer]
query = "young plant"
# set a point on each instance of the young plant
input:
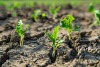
(54, 11)
(53, 37)
(20, 31)
(96, 13)
(36, 14)
(67, 24)
(91, 8)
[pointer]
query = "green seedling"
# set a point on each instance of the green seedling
(53, 37)
(96, 13)
(91, 8)
(20, 31)
(67, 24)
(54, 11)
(36, 14)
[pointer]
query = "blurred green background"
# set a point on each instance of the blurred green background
(50, 2)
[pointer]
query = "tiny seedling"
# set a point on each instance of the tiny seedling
(20, 31)
(53, 37)
(96, 13)
(67, 24)
(54, 11)
(36, 14)
(91, 8)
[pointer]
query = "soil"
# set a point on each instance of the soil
(82, 51)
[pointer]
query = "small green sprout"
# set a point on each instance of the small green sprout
(54, 11)
(53, 37)
(36, 14)
(91, 8)
(67, 24)
(20, 31)
(96, 13)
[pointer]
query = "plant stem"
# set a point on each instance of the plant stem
(69, 36)
(53, 53)
(21, 40)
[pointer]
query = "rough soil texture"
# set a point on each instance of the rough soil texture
(82, 51)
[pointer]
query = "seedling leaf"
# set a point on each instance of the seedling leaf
(76, 28)
(97, 13)
(67, 24)
(53, 38)
(91, 8)
(55, 33)
(36, 14)
(54, 11)
(59, 43)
